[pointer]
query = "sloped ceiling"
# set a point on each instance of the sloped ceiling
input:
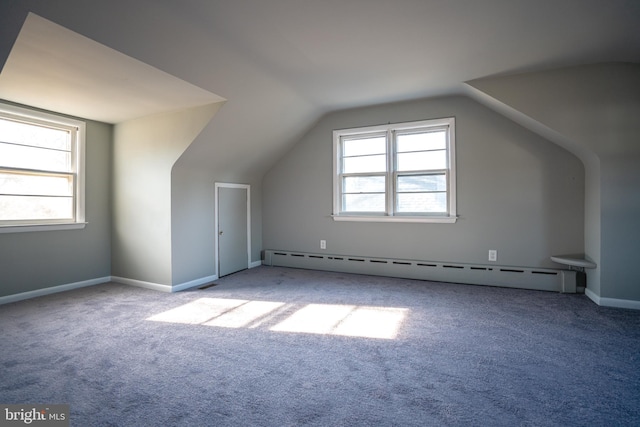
(344, 53)
(281, 64)
(57, 69)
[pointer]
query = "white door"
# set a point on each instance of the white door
(233, 229)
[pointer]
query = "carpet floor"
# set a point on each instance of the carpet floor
(285, 347)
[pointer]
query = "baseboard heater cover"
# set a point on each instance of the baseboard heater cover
(542, 279)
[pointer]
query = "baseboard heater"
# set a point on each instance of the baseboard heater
(542, 279)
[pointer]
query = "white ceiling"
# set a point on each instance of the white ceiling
(56, 69)
(281, 64)
(341, 53)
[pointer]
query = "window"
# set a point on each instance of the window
(41, 170)
(398, 172)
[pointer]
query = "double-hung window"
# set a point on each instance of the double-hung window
(41, 170)
(398, 172)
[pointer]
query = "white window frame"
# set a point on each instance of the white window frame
(390, 192)
(78, 130)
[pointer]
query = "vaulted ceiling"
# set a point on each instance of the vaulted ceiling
(281, 64)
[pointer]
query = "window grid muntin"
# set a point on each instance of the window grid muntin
(32, 121)
(395, 134)
(436, 172)
(435, 125)
(49, 121)
(70, 178)
(344, 193)
(357, 137)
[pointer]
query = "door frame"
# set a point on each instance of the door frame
(219, 185)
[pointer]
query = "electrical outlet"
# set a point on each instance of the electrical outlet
(493, 255)
(323, 244)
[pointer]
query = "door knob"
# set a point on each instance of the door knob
(221, 233)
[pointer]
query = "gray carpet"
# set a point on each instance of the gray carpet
(453, 354)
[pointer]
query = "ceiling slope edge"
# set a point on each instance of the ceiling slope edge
(528, 122)
(54, 68)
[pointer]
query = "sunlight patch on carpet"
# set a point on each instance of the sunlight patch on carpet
(199, 311)
(245, 315)
(345, 320)
(328, 319)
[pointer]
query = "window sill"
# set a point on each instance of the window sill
(419, 219)
(41, 227)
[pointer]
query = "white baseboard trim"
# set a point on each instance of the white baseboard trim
(612, 302)
(592, 295)
(53, 290)
(194, 283)
(164, 288)
(142, 284)
(620, 303)
(255, 264)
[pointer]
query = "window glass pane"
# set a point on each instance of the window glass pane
(363, 202)
(28, 184)
(436, 140)
(17, 156)
(34, 135)
(421, 183)
(364, 146)
(425, 160)
(29, 207)
(364, 184)
(364, 164)
(421, 202)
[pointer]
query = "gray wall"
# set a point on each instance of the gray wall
(193, 196)
(36, 260)
(517, 193)
(145, 151)
(596, 108)
(193, 220)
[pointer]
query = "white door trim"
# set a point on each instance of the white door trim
(218, 185)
